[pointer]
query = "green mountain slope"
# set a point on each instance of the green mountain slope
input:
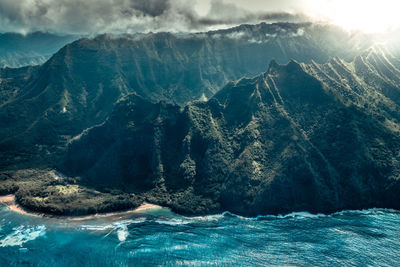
(290, 139)
(78, 87)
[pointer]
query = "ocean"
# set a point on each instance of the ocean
(161, 238)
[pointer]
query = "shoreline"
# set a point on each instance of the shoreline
(11, 204)
(145, 208)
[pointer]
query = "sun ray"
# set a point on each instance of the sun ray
(365, 15)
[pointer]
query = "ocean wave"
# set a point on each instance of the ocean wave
(122, 233)
(374, 211)
(112, 226)
(121, 227)
(173, 221)
(308, 215)
(23, 234)
(292, 215)
(227, 214)
(302, 215)
(208, 218)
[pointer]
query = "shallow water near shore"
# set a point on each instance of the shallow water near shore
(159, 237)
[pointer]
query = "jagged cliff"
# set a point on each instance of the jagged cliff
(114, 115)
(293, 138)
(78, 87)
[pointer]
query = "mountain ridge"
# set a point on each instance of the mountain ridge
(78, 86)
(319, 136)
(271, 144)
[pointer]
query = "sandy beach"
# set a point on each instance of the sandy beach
(9, 200)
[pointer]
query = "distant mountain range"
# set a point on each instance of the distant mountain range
(17, 50)
(131, 113)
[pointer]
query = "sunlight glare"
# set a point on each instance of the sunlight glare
(365, 15)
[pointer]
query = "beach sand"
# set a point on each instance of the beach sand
(9, 200)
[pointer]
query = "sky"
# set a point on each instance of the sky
(129, 16)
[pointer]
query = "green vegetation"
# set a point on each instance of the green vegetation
(319, 136)
(288, 140)
(37, 190)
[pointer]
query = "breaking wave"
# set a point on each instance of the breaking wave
(22, 234)
(356, 238)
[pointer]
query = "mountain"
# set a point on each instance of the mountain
(183, 67)
(17, 50)
(125, 119)
(12, 80)
(315, 137)
(77, 87)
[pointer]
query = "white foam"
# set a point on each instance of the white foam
(373, 211)
(173, 221)
(178, 247)
(23, 234)
(112, 226)
(208, 218)
(122, 233)
(297, 215)
(301, 215)
(97, 227)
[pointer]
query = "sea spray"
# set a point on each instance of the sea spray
(22, 234)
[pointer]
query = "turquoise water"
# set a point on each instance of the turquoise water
(350, 238)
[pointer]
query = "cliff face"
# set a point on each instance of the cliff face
(120, 117)
(316, 137)
(78, 87)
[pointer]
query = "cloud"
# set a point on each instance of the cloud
(152, 8)
(221, 13)
(126, 16)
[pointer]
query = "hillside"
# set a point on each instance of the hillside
(77, 88)
(290, 139)
(126, 118)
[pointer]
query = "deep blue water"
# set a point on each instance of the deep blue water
(350, 238)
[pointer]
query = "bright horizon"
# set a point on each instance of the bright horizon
(369, 16)
(123, 16)
(366, 15)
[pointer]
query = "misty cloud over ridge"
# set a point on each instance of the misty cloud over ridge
(126, 16)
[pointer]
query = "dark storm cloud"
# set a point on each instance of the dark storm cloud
(98, 16)
(152, 8)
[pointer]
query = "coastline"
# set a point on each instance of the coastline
(11, 204)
